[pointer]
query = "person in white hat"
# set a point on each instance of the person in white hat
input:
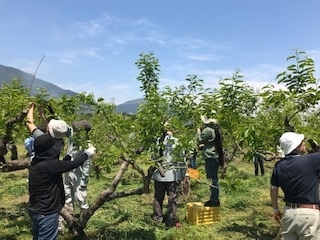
(58, 129)
(211, 138)
(297, 174)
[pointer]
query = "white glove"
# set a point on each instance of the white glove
(90, 151)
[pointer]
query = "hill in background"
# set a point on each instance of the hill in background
(130, 107)
(8, 73)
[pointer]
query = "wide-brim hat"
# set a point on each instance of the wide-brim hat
(59, 129)
(289, 141)
(45, 147)
(82, 125)
(207, 120)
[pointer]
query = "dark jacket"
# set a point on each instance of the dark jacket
(46, 188)
(298, 177)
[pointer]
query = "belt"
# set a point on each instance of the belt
(302, 205)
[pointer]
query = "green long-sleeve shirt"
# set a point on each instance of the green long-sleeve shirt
(207, 137)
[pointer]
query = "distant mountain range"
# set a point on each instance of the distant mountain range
(130, 107)
(8, 73)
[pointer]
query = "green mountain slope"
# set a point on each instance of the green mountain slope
(130, 107)
(8, 73)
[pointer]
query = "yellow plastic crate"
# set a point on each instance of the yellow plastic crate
(197, 214)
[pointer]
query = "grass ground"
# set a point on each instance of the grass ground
(245, 209)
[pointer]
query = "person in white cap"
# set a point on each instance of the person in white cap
(211, 138)
(58, 129)
(297, 174)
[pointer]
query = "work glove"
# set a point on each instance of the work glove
(277, 215)
(67, 158)
(90, 151)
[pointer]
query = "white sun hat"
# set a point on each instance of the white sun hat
(58, 129)
(206, 120)
(289, 141)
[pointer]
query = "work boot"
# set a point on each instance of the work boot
(212, 203)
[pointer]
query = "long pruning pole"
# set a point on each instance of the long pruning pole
(34, 75)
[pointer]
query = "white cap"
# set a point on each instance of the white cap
(289, 141)
(58, 129)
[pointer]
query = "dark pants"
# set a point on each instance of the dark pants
(212, 167)
(44, 227)
(258, 162)
(193, 162)
(193, 159)
(160, 189)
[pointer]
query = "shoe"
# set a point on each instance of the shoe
(212, 204)
(177, 225)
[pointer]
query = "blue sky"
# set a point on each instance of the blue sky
(92, 46)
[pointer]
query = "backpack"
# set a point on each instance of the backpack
(218, 144)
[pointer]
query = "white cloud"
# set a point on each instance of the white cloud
(68, 57)
(120, 87)
(91, 28)
(203, 57)
(255, 54)
(196, 43)
(93, 53)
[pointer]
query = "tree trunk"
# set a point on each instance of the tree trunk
(77, 225)
(227, 159)
(7, 141)
(15, 165)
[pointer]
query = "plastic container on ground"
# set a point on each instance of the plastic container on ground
(197, 214)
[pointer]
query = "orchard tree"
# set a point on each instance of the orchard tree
(295, 106)
(249, 119)
(121, 137)
(185, 111)
(12, 101)
(235, 104)
(303, 89)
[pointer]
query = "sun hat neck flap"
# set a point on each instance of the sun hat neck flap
(46, 148)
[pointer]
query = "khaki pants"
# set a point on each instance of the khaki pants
(300, 223)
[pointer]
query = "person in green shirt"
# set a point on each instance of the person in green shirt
(211, 138)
